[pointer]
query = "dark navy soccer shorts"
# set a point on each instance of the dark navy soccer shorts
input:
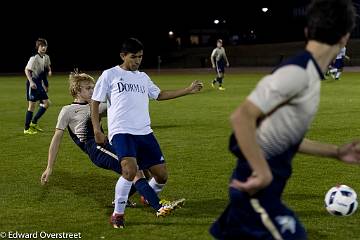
(144, 148)
(37, 94)
(262, 216)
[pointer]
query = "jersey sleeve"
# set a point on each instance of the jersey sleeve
(213, 54)
(101, 88)
(278, 88)
(154, 90)
(63, 119)
(30, 64)
(48, 61)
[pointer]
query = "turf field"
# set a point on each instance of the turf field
(193, 133)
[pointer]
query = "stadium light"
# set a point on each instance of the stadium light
(171, 33)
(216, 21)
(264, 9)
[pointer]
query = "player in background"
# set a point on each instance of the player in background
(75, 117)
(338, 64)
(270, 127)
(219, 60)
(37, 70)
(127, 92)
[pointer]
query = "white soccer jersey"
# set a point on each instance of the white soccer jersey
(218, 54)
(127, 94)
(289, 98)
(76, 116)
(342, 53)
(38, 64)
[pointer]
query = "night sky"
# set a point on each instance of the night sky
(89, 35)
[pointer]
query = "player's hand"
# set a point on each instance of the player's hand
(196, 86)
(46, 89)
(350, 152)
(50, 73)
(100, 138)
(213, 66)
(45, 176)
(228, 64)
(33, 85)
(253, 184)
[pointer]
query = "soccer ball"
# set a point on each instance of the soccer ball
(341, 201)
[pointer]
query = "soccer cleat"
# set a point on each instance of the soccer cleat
(222, 88)
(30, 131)
(163, 211)
(117, 220)
(212, 85)
(36, 127)
(173, 204)
(169, 206)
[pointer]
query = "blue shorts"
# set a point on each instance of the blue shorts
(144, 148)
(104, 157)
(37, 94)
(220, 67)
(339, 63)
(244, 216)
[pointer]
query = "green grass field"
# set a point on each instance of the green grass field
(193, 132)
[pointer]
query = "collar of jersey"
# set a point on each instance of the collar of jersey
(84, 103)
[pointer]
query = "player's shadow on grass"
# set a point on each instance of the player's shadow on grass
(92, 185)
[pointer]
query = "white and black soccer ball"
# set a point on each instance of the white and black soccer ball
(341, 201)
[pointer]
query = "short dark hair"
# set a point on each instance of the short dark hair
(219, 41)
(40, 42)
(329, 20)
(131, 45)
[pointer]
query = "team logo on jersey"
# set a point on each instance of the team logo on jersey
(130, 87)
(287, 223)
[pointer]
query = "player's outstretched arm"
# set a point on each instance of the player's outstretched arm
(243, 122)
(53, 150)
(100, 137)
(195, 87)
(349, 153)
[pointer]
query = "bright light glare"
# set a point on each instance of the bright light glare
(216, 21)
(264, 9)
(171, 33)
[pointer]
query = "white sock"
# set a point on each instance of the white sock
(156, 186)
(338, 75)
(122, 190)
(333, 70)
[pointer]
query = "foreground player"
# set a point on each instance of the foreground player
(218, 61)
(37, 70)
(127, 91)
(76, 118)
(269, 128)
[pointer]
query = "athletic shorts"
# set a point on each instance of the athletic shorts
(262, 216)
(144, 148)
(37, 94)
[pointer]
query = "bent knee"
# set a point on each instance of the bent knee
(161, 178)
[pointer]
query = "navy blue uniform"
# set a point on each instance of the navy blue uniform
(289, 99)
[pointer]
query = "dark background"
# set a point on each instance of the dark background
(89, 35)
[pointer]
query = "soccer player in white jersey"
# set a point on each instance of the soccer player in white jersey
(338, 64)
(37, 70)
(270, 127)
(219, 60)
(127, 92)
(75, 117)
